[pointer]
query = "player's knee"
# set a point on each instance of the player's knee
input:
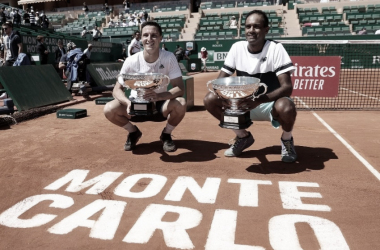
(182, 101)
(180, 105)
(108, 112)
(286, 108)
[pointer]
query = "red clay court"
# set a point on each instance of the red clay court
(68, 184)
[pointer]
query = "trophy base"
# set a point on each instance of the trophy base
(143, 109)
(236, 120)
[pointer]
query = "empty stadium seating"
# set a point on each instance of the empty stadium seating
(76, 27)
(363, 16)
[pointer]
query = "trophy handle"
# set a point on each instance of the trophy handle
(265, 90)
(210, 89)
(167, 77)
(120, 80)
(161, 86)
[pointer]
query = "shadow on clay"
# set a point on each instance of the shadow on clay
(196, 150)
(308, 159)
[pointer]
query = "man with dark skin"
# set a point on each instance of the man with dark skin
(269, 61)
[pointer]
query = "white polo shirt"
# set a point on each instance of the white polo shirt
(270, 62)
(165, 64)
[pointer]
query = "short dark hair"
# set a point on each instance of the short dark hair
(258, 12)
(39, 38)
(136, 31)
(150, 23)
(8, 24)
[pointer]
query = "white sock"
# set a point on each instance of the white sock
(130, 127)
(241, 132)
(286, 136)
(169, 128)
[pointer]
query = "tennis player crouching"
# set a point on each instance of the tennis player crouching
(169, 103)
(269, 61)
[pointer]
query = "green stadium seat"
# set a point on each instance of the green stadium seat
(376, 16)
(198, 36)
(335, 29)
(329, 31)
(329, 18)
(354, 22)
(337, 18)
(362, 8)
(346, 28)
(321, 19)
(371, 22)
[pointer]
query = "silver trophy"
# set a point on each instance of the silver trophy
(235, 89)
(140, 82)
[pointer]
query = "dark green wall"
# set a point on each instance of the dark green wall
(101, 52)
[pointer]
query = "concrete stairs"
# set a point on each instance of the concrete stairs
(191, 27)
(291, 26)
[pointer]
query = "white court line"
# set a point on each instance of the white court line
(358, 93)
(345, 143)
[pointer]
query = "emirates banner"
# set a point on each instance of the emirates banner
(316, 76)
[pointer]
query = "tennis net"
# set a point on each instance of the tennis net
(359, 77)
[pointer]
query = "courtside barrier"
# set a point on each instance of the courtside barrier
(33, 86)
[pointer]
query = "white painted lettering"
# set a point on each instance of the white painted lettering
(249, 191)
(10, 217)
(323, 71)
(153, 188)
(205, 194)
(291, 197)
(296, 81)
(309, 72)
(283, 234)
(321, 82)
(104, 228)
(76, 178)
(174, 233)
(222, 232)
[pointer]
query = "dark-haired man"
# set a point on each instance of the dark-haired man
(169, 104)
(269, 61)
(13, 43)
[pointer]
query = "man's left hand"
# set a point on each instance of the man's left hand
(247, 104)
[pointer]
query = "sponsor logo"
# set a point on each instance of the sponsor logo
(189, 45)
(220, 56)
(316, 76)
(107, 74)
(213, 67)
(217, 45)
(376, 60)
(193, 66)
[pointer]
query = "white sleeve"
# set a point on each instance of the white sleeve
(230, 61)
(282, 61)
(174, 71)
(125, 69)
(129, 48)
